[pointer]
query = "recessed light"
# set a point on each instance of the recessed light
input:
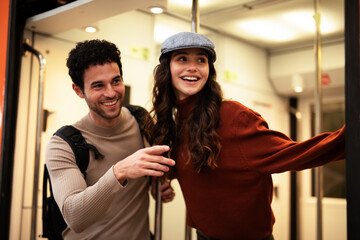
(156, 10)
(297, 83)
(90, 29)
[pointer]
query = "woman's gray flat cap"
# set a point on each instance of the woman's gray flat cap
(188, 40)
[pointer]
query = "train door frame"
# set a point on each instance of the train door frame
(16, 27)
(352, 101)
(352, 73)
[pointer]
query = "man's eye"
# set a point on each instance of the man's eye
(117, 82)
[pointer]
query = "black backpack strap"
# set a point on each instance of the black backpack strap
(79, 146)
(140, 115)
(52, 219)
(45, 220)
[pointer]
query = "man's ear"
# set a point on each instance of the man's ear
(77, 90)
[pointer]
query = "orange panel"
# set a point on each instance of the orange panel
(4, 23)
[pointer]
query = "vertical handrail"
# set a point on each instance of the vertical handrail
(158, 212)
(194, 28)
(39, 127)
(195, 16)
(318, 118)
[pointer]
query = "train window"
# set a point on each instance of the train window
(127, 95)
(334, 178)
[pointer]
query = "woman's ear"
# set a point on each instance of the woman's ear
(77, 90)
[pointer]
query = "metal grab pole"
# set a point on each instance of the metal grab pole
(195, 16)
(194, 28)
(318, 118)
(158, 207)
(39, 127)
(158, 212)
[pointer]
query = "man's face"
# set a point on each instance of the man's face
(103, 92)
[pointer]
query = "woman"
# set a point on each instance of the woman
(224, 152)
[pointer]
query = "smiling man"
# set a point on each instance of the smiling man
(112, 201)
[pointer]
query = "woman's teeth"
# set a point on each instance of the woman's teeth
(190, 78)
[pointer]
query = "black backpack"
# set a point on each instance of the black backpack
(52, 220)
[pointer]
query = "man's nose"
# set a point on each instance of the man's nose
(110, 91)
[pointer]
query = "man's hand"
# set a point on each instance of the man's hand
(144, 162)
(166, 191)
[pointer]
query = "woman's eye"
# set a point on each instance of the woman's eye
(182, 59)
(202, 60)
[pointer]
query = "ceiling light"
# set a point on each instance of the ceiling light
(271, 30)
(297, 83)
(156, 10)
(305, 20)
(298, 89)
(90, 29)
(300, 19)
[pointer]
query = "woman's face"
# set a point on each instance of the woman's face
(189, 71)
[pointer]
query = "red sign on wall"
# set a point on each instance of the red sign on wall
(325, 79)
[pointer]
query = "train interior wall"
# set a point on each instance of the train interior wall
(244, 71)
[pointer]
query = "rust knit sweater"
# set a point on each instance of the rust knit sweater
(233, 201)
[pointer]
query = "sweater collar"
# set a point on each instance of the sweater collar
(122, 124)
(185, 106)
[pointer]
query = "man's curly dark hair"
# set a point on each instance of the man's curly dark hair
(91, 53)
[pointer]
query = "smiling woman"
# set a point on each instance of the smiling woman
(189, 71)
(225, 152)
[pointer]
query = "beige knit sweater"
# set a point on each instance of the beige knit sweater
(99, 207)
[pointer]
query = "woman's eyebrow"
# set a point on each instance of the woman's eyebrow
(181, 53)
(200, 53)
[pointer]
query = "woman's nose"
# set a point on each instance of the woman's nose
(192, 66)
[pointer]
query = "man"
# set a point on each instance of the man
(111, 202)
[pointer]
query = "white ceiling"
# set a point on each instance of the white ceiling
(230, 17)
(223, 16)
(226, 16)
(80, 13)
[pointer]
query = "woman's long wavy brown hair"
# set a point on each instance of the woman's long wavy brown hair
(204, 143)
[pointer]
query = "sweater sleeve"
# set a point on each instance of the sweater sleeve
(268, 151)
(81, 205)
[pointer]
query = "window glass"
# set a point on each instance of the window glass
(334, 182)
